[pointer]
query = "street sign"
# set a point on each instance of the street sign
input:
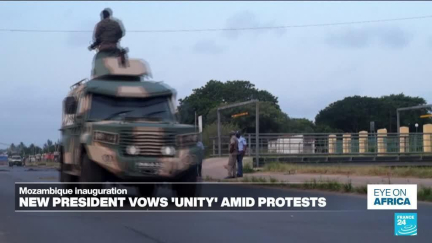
(240, 114)
(426, 116)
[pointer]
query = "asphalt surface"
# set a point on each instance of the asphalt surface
(353, 224)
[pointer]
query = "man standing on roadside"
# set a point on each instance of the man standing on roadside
(233, 151)
(242, 145)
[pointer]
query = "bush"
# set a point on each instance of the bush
(425, 194)
(247, 168)
(210, 132)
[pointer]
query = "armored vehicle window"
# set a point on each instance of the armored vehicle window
(114, 108)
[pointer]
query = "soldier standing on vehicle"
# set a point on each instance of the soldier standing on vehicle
(108, 33)
(233, 150)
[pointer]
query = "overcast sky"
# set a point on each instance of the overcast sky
(307, 68)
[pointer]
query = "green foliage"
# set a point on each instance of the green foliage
(207, 99)
(354, 114)
(210, 132)
(272, 119)
(215, 93)
(298, 125)
(361, 190)
(347, 187)
(247, 168)
(24, 150)
(425, 194)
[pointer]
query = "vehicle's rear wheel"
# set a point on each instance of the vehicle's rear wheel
(91, 172)
(10, 164)
(191, 189)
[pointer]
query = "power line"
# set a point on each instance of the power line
(227, 29)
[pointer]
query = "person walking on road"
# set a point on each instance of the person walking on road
(233, 151)
(242, 145)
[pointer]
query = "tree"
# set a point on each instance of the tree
(272, 119)
(354, 113)
(31, 149)
(12, 149)
(215, 93)
(392, 102)
(210, 134)
(299, 125)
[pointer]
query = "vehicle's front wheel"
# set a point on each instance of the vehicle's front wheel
(190, 188)
(64, 176)
(91, 172)
(10, 164)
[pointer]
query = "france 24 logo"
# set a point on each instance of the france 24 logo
(405, 224)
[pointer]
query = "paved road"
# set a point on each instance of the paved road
(359, 225)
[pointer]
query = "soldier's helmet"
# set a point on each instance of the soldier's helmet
(106, 13)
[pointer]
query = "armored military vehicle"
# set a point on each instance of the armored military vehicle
(118, 127)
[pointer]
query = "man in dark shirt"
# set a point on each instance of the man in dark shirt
(108, 33)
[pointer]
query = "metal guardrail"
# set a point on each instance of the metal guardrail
(333, 145)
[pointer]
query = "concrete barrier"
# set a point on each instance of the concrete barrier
(381, 140)
(427, 133)
(347, 143)
(332, 144)
(404, 139)
(363, 142)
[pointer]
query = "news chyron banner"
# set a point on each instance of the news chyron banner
(61, 197)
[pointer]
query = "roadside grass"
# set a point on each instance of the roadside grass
(247, 169)
(417, 172)
(247, 165)
(425, 194)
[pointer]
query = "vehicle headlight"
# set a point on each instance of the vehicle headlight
(168, 151)
(187, 139)
(132, 150)
(105, 137)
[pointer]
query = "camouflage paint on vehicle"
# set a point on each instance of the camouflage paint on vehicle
(78, 132)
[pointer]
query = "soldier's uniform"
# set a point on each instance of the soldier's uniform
(107, 34)
(232, 160)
